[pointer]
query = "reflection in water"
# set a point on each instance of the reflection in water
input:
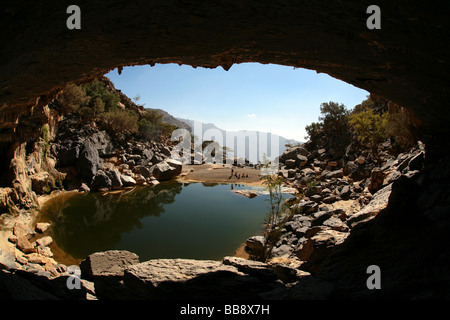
(169, 220)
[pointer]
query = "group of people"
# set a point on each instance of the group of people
(234, 173)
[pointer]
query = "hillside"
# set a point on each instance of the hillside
(169, 119)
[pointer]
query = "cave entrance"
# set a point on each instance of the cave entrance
(251, 97)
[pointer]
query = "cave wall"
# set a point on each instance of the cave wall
(406, 61)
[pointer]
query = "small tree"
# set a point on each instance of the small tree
(334, 117)
(333, 121)
(278, 215)
(370, 129)
(313, 129)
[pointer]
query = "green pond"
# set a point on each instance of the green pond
(169, 220)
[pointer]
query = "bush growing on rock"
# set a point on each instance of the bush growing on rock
(72, 98)
(120, 121)
(151, 126)
(369, 128)
(98, 90)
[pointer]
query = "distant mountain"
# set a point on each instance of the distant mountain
(168, 118)
(257, 143)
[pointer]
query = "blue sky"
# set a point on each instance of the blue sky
(249, 96)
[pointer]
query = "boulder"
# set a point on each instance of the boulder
(254, 246)
(376, 180)
(283, 250)
(41, 227)
(101, 181)
(106, 270)
(360, 160)
(320, 216)
(329, 199)
(302, 160)
(38, 259)
(305, 207)
(353, 170)
(317, 247)
(140, 179)
(127, 181)
(39, 182)
(378, 202)
(142, 170)
(334, 174)
(114, 176)
(345, 192)
(193, 279)
(148, 154)
(102, 142)
(166, 170)
(21, 229)
(84, 188)
(88, 162)
(251, 267)
(110, 263)
(44, 241)
(332, 163)
(24, 245)
(290, 163)
(165, 151)
(246, 193)
(292, 153)
(336, 224)
(8, 261)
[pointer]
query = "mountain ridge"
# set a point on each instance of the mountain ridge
(282, 142)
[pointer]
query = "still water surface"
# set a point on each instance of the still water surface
(169, 220)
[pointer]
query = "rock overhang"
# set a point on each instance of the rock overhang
(405, 61)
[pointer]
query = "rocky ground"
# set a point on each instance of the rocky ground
(349, 211)
(334, 199)
(91, 159)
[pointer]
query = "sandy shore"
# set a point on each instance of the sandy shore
(220, 173)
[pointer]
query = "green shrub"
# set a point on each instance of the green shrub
(152, 127)
(72, 98)
(98, 89)
(369, 128)
(120, 121)
(313, 130)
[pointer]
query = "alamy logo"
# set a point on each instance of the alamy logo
(374, 21)
(217, 146)
(74, 20)
(374, 281)
(74, 279)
